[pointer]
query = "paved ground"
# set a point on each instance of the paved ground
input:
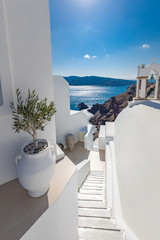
(97, 159)
(95, 221)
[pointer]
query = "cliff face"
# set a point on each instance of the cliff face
(108, 111)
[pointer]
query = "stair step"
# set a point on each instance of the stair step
(96, 222)
(92, 188)
(94, 181)
(94, 212)
(93, 184)
(94, 234)
(89, 197)
(98, 194)
(91, 204)
(91, 191)
(96, 171)
(95, 178)
(96, 175)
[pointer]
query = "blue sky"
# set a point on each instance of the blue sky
(104, 37)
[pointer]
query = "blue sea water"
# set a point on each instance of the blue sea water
(92, 94)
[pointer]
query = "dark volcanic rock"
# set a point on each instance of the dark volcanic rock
(82, 106)
(108, 111)
(95, 108)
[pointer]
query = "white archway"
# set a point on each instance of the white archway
(142, 80)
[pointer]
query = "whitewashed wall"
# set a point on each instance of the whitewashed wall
(137, 151)
(66, 123)
(60, 221)
(25, 62)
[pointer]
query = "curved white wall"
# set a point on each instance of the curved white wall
(25, 62)
(66, 123)
(137, 152)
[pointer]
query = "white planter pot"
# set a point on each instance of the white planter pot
(34, 171)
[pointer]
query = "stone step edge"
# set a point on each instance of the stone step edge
(84, 185)
(94, 207)
(96, 177)
(109, 218)
(94, 182)
(95, 217)
(91, 193)
(91, 188)
(104, 229)
(81, 199)
(111, 230)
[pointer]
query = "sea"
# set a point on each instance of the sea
(92, 94)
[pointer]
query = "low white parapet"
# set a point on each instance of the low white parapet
(101, 138)
(59, 220)
(110, 131)
(82, 133)
(88, 138)
(59, 153)
(108, 176)
(83, 169)
(112, 192)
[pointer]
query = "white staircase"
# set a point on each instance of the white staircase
(95, 222)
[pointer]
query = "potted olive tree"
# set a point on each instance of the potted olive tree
(35, 165)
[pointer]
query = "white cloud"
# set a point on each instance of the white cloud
(145, 46)
(87, 56)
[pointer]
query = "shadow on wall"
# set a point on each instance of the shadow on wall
(102, 155)
(18, 210)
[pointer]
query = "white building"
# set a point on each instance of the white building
(131, 193)
(25, 62)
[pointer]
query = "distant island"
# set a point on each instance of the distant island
(95, 80)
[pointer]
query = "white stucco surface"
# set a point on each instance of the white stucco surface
(25, 62)
(101, 137)
(83, 169)
(144, 74)
(60, 221)
(146, 70)
(137, 152)
(66, 122)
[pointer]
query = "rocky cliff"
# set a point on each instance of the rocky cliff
(108, 111)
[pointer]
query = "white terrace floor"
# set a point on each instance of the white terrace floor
(97, 159)
(18, 211)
